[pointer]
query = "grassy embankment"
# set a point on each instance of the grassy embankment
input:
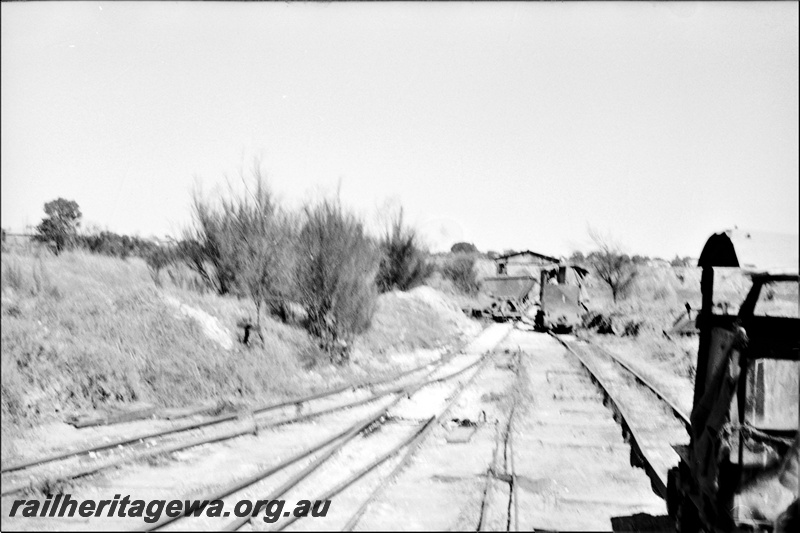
(84, 332)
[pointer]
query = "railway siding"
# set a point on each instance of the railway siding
(653, 421)
(572, 463)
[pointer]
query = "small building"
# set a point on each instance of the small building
(525, 263)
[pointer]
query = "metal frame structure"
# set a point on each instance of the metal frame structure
(727, 450)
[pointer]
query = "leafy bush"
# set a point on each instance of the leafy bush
(335, 276)
(460, 269)
(114, 245)
(403, 264)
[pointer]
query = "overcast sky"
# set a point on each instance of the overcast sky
(508, 125)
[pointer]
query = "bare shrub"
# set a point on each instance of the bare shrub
(611, 265)
(460, 269)
(335, 276)
(243, 245)
(262, 246)
(207, 248)
(403, 264)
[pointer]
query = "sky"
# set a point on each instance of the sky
(509, 125)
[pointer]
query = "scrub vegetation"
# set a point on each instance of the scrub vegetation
(254, 303)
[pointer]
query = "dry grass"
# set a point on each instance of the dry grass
(422, 318)
(86, 331)
(656, 300)
(83, 331)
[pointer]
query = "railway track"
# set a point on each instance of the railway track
(500, 503)
(69, 465)
(556, 452)
(387, 394)
(334, 466)
(651, 421)
(463, 477)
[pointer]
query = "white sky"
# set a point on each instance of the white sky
(508, 125)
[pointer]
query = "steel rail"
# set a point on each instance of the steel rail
(365, 470)
(414, 445)
(491, 473)
(117, 461)
(179, 446)
(647, 383)
(514, 492)
(212, 421)
(234, 525)
(270, 471)
(659, 484)
(309, 469)
(263, 473)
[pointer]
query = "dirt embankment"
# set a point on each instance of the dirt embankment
(83, 332)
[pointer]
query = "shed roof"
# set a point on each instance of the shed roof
(529, 252)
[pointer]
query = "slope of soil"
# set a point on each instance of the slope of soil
(84, 332)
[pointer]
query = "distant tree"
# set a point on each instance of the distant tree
(403, 263)
(611, 265)
(463, 248)
(60, 226)
(640, 259)
(509, 251)
(491, 254)
(577, 257)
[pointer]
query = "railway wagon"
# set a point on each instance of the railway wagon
(740, 470)
(550, 295)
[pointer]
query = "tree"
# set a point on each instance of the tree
(577, 257)
(60, 226)
(611, 265)
(403, 264)
(463, 248)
